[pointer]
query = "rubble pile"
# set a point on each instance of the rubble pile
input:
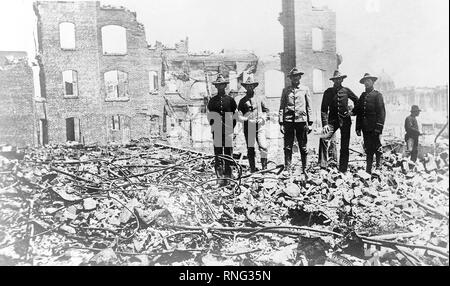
(149, 204)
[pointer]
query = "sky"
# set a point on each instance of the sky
(407, 39)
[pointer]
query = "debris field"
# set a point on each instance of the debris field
(147, 203)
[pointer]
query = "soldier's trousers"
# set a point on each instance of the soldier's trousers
(223, 147)
(252, 133)
(291, 131)
(412, 148)
(345, 142)
(372, 146)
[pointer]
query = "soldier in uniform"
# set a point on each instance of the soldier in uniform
(295, 117)
(371, 115)
(336, 115)
(412, 133)
(253, 112)
(221, 116)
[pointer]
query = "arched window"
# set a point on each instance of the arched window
(116, 84)
(67, 35)
(273, 83)
(114, 40)
(198, 90)
(70, 82)
(317, 39)
(153, 80)
(318, 80)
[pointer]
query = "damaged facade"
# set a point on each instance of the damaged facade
(309, 31)
(16, 99)
(95, 74)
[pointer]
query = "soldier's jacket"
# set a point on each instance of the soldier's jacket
(371, 112)
(411, 127)
(334, 107)
(295, 105)
(252, 107)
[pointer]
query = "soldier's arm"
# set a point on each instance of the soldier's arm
(381, 113)
(282, 107)
(324, 108)
(353, 97)
(234, 108)
(308, 107)
(409, 127)
(264, 106)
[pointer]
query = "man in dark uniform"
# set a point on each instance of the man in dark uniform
(336, 115)
(221, 116)
(295, 117)
(371, 115)
(253, 113)
(412, 133)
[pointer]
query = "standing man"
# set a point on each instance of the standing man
(221, 116)
(253, 112)
(336, 114)
(295, 117)
(412, 133)
(371, 115)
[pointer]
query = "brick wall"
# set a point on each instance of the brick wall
(88, 60)
(16, 105)
(306, 18)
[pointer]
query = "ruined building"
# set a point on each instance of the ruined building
(16, 100)
(96, 74)
(310, 44)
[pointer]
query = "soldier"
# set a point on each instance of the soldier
(371, 115)
(336, 115)
(412, 133)
(295, 117)
(253, 113)
(221, 116)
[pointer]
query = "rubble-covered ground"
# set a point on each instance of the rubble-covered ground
(149, 204)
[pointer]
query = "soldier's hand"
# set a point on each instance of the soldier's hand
(282, 129)
(358, 132)
(326, 129)
(309, 129)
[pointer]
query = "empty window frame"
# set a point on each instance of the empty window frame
(317, 39)
(115, 120)
(70, 82)
(318, 84)
(153, 81)
(67, 35)
(116, 84)
(114, 40)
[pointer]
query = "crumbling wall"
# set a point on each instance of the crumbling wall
(298, 27)
(91, 106)
(16, 105)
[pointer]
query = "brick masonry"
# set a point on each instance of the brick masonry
(16, 104)
(298, 18)
(90, 107)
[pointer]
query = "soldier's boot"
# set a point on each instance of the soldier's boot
(251, 161)
(287, 160)
(379, 158)
(369, 164)
(264, 163)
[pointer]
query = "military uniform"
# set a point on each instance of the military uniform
(295, 115)
(371, 115)
(254, 110)
(221, 116)
(335, 114)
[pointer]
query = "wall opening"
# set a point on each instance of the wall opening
(273, 83)
(43, 132)
(318, 80)
(116, 84)
(70, 82)
(317, 39)
(114, 40)
(67, 36)
(153, 81)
